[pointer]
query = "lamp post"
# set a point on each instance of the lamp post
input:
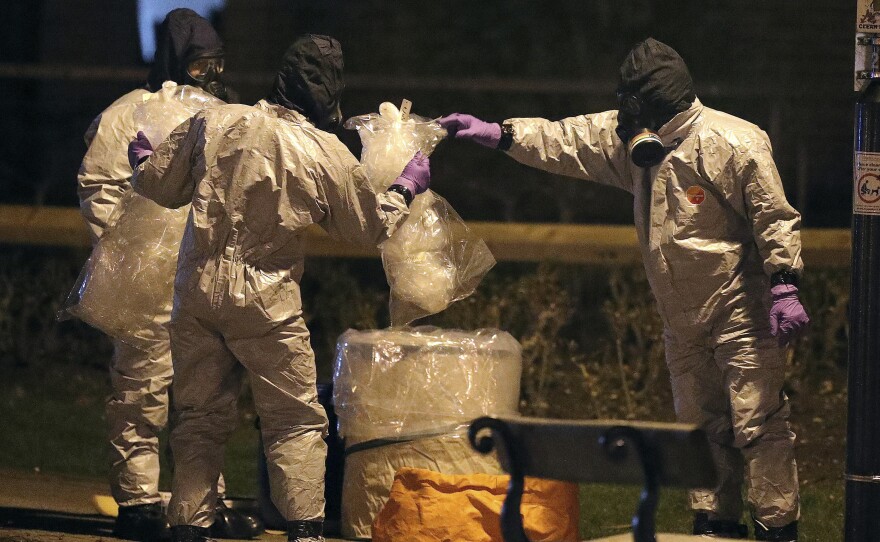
(862, 517)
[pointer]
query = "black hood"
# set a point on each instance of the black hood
(310, 80)
(183, 36)
(658, 75)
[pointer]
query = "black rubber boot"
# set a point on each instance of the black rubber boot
(305, 531)
(189, 533)
(229, 523)
(719, 527)
(789, 533)
(142, 522)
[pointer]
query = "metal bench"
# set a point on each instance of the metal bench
(614, 452)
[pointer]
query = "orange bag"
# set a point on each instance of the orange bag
(426, 506)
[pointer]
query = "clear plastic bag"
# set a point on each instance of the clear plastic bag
(390, 142)
(425, 381)
(164, 110)
(433, 259)
(126, 285)
(125, 288)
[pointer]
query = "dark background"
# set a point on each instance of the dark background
(591, 335)
(786, 66)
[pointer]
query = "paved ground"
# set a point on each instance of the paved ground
(38, 507)
(37, 491)
(11, 534)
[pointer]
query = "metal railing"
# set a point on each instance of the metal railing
(569, 243)
(598, 87)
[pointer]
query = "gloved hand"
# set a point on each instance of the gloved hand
(416, 176)
(787, 316)
(462, 126)
(139, 150)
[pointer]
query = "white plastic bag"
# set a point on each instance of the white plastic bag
(125, 288)
(433, 259)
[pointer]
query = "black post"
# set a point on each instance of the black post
(863, 420)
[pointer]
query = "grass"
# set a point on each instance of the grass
(51, 425)
(607, 510)
(54, 422)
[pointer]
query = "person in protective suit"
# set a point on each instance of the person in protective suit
(722, 251)
(189, 52)
(257, 177)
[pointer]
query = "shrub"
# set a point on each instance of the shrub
(591, 335)
(34, 282)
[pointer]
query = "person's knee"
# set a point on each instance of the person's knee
(707, 413)
(208, 422)
(145, 408)
(759, 432)
(760, 416)
(275, 429)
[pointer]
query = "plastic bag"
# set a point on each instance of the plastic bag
(390, 142)
(125, 288)
(127, 282)
(163, 111)
(424, 381)
(369, 474)
(426, 506)
(433, 259)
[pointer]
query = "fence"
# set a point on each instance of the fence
(570, 243)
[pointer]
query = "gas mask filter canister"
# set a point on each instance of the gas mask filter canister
(646, 149)
(634, 128)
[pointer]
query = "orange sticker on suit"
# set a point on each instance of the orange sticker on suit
(695, 195)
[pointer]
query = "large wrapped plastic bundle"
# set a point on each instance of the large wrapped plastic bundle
(125, 288)
(405, 398)
(395, 383)
(433, 259)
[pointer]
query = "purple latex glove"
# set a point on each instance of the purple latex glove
(462, 126)
(416, 176)
(139, 150)
(787, 316)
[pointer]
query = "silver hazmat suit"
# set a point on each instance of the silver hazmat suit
(137, 410)
(256, 177)
(713, 225)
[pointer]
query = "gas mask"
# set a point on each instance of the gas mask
(206, 73)
(333, 120)
(636, 126)
(310, 80)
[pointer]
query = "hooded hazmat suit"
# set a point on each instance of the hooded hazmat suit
(256, 177)
(713, 225)
(138, 408)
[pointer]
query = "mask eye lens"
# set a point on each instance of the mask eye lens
(199, 68)
(629, 104)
